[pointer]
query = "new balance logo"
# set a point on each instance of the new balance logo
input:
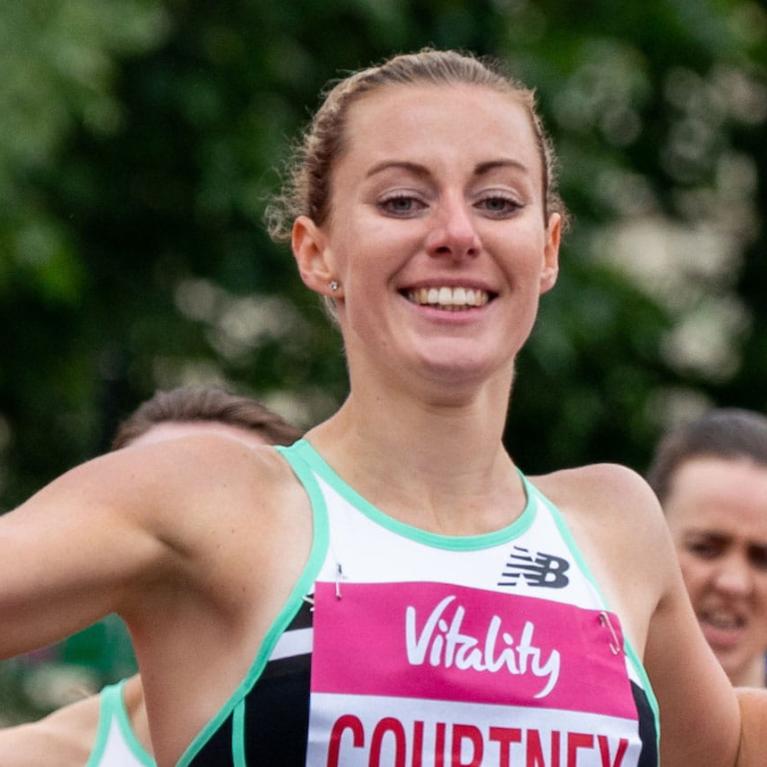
(541, 570)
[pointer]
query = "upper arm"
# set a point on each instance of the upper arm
(619, 524)
(753, 708)
(90, 542)
(700, 721)
(699, 718)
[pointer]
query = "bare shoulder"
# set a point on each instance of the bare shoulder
(200, 461)
(65, 737)
(145, 519)
(599, 485)
(174, 480)
(608, 499)
(209, 496)
(618, 524)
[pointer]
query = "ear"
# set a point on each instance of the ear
(313, 256)
(551, 253)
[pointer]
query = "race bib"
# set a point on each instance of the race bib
(427, 674)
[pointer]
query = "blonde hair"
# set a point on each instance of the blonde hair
(307, 186)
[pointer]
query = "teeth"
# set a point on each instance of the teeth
(449, 298)
(722, 619)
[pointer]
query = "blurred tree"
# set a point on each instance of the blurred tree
(657, 110)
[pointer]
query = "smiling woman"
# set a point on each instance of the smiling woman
(413, 215)
(392, 590)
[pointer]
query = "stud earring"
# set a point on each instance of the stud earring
(333, 285)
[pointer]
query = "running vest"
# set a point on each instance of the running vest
(404, 648)
(116, 744)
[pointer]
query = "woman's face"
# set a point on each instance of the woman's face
(717, 512)
(437, 232)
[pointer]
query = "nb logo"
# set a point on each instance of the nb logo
(539, 570)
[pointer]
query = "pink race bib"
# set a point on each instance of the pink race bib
(426, 674)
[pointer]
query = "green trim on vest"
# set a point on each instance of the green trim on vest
(304, 586)
(111, 707)
(238, 735)
(435, 540)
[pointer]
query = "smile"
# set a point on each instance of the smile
(722, 619)
(451, 299)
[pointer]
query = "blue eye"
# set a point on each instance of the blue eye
(498, 206)
(401, 205)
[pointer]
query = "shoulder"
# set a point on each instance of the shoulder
(171, 490)
(208, 460)
(171, 481)
(610, 502)
(598, 485)
(142, 481)
(209, 498)
(617, 522)
(65, 737)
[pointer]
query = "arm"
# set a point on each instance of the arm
(66, 735)
(103, 536)
(753, 711)
(620, 526)
(700, 720)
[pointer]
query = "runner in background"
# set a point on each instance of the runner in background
(711, 478)
(110, 729)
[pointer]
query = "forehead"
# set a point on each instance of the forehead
(719, 495)
(430, 123)
(176, 429)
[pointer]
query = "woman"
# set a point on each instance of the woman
(454, 613)
(711, 478)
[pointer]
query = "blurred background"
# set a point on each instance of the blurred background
(140, 140)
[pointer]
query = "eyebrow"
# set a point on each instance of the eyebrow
(421, 170)
(708, 535)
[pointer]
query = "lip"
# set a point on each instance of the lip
(723, 638)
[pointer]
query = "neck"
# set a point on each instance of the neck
(437, 463)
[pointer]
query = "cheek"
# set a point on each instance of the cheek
(761, 597)
(697, 574)
(367, 254)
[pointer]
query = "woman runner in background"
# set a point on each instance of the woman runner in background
(711, 478)
(392, 590)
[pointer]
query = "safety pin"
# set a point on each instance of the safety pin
(604, 619)
(339, 575)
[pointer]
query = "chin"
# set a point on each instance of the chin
(461, 358)
(460, 372)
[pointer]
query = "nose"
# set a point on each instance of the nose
(453, 234)
(734, 577)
